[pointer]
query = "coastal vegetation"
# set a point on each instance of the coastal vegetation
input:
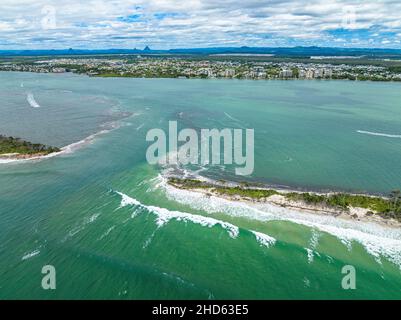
(19, 147)
(387, 207)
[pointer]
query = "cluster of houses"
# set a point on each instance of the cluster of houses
(159, 67)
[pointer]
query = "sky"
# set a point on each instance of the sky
(166, 24)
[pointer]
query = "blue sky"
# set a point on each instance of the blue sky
(164, 24)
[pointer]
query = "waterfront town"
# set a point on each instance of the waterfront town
(177, 67)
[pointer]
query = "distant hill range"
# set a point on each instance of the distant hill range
(291, 52)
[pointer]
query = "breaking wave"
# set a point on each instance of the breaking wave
(31, 100)
(380, 134)
(311, 255)
(377, 240)
(77, 145)
(264, 239)
(164, 216)
(30, 255)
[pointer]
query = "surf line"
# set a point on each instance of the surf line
(164, 216)
(380, 134)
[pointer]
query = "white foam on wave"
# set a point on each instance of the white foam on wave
(13, 160)
(310, 255)
(314, 240)
(128, 201)
(30, 255)
(264, 239)
(4, 161)
(92, 218)
(108, 231)
(80, 227)
(31, 100)
(164, 216)
(77, 145)
(379, 241)
(379, 134)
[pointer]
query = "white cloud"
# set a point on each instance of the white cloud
(198, 23)
(5, 26)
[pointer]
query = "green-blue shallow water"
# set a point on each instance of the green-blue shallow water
(68, 212)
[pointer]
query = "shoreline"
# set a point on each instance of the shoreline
(289, 199)
(105, 76)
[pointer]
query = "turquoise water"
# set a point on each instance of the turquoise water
(67, 211)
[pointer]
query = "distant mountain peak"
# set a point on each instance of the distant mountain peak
(147, 48)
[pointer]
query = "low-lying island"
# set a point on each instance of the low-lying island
(18, 149)
(382, 210)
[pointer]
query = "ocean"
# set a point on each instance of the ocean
(113, 229)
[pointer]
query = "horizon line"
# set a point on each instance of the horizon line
(146, 48)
